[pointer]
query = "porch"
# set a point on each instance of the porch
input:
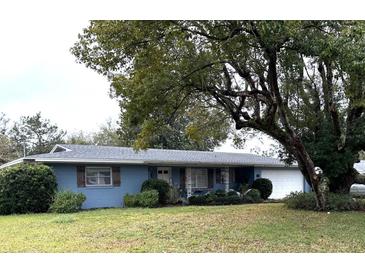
(195, 180)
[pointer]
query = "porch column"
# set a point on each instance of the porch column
(188, 181)
(225, 177)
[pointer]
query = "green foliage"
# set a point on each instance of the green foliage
(7, 149)
(359, 204)
(197, 200)
(106, 135)
(339, 202)
(264, 185)
(334, 202)
(130, 200)
(300, 82)
(67, 202)
(161, 186)
(220, 192)
(26, 188)
(252, 196)
(174, 195)
(148, 198)
(232, 193)
(218, 198)
(38, 135)
(300, 200)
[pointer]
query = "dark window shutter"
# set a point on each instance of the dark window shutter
(116, 175)
(210, 178)
(80, 176)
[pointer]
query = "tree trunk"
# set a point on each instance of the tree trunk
(306, 165)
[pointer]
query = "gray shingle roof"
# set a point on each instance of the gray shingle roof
(91, 153)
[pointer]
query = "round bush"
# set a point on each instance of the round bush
(26, 188)
(264, 186)
(161, 186)
(67, 202)
(148, 198)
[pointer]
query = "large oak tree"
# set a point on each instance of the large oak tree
(300, 82)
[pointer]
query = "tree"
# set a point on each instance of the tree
(79, 138)
(300, 82)
(35, 135)
(3, 123)
(106, 135)
(193, 130)
(7, 148)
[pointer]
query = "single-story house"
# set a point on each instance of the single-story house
(105, 174)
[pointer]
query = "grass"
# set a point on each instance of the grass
(241, 228)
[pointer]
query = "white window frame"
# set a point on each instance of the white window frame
(99, 185)
(195, 182)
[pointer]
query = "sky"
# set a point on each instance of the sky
(38, 73)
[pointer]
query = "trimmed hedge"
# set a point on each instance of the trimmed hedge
(335, 201)
(67, 202)
(230, 198)
(147, 198)
(264, 185)
(161, 186)
(26, 188)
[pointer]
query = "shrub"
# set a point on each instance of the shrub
(130, 200)
(67, 202)
(359, 204)
(26, 188)
(339, 202)
(264, 186)
(252, 196)
(174, 195)
(300, 200)
(147, 198)
(335, 201)
(232, 193)
(228, 200)
(161, 186)
(220, 192)
(197, 200)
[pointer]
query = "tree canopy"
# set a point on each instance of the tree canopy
(35, 134)
(300, 82)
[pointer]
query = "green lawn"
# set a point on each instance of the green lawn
(242, 228)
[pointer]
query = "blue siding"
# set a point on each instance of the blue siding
(132, 178)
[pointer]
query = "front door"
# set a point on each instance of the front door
(164, 173)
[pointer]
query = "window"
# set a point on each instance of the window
(98, 176)
(199, 178)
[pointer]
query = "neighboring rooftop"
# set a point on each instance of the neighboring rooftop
(107, 154)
